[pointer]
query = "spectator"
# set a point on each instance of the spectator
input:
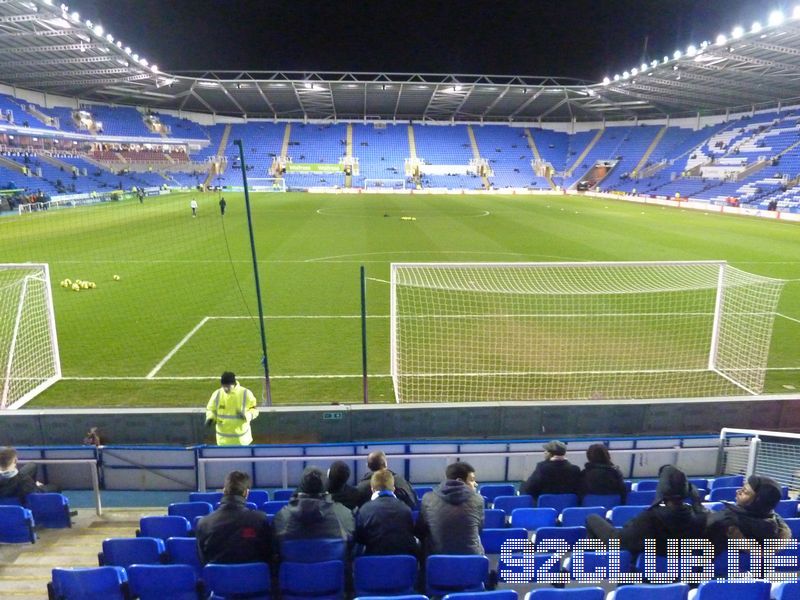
(451, 517)
(600, 475)
(752, 516)
(554, 475)
(337, 486)
(403, 490)
(231, 408)
(385, 525)
(19, 482)
(668, 517)
(312, 513)
(233, 533)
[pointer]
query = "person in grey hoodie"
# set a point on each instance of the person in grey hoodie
(451, 518)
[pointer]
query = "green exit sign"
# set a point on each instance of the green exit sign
(331, 416)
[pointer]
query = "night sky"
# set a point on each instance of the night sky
(586, 39)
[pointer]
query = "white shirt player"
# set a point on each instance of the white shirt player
(193, 205)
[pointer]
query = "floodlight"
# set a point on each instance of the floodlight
(756, 27)
(606, 81)
(721, 40)
(691, 50)
(119, 44)
(307, 85)
(98, 29)
(775, 18)
(634, 71)
(737, 32)
(136, 57)
(110, 38)
(616, 77)
(666, 59)
(143, 62)
(76, 16)
(643, 67)
(677, 54)
(89, 24)
(154, 68)
(128, 50)
(654, 63)
(625, 75)
(456, 88)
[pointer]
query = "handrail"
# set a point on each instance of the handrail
(77, 461)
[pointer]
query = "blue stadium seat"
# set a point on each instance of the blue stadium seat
(641, 498)
(384, 575)
(794, 525)
(592, 561)
(727, 481)
(523, 572)
(160, 582)
(786, 591)
(557, 501)
(123, 552)
(92, 583)
(721, 563)
(495, 595)
(493, 539)
(575, 516)
(283, 494)
(668, 591)
(722, 493)
(533, 518)
(645, 485)
(211, 497)
(189, 510)
(421, 490)
(493, 518)
(450, 574)
(622, 514)
(313, 550)
(568, 534)
(248, 504)
(258, 497)
(587, 593)
(492, 491)
(249, 580)
(607, 500)
(164, 527)
(408, 597)
(509, 503)
(273, 506)
(324, 582)
(751, 590)
(183, 551)
(16, 525)
(50, 510)
(785, 508)
(699, 483)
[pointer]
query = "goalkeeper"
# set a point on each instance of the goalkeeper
(231, 408)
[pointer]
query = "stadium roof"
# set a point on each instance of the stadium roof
(47, 48)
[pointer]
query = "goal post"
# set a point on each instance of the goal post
(29, 356)
(267, 184)
(384, 184)
(576, 331)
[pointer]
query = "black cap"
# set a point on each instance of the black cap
(672, 485)
(312, 481)
(768, 494)
(228, 378)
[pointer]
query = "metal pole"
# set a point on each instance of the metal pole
(264, 361)
(364, 334)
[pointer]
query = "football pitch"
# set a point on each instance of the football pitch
(184, 307)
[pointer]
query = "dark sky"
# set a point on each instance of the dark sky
(586, 39)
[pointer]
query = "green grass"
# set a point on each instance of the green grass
(176, 270)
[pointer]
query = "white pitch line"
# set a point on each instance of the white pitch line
(179, 345)
(787, 317)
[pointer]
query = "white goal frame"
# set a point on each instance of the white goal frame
(256, 186)
(713, 364)
(402, 182)
(51, 326)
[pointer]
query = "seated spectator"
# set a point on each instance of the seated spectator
(600, 475)
(451, 517)
(337, 486)
(668, 517)
(19, 482)
(312, 513)
(554, 475)
(403, 490)
(752, 517)
(233, 533)
(385, 525)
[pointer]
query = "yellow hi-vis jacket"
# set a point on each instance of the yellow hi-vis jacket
(232, 414)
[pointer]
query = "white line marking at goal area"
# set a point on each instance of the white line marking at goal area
(788, 317)
(177, 347)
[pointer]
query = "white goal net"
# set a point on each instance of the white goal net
(267, 184)
(384, 184)
(538, 331)
(29, 359)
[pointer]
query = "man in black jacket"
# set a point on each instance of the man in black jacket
(451, 517)
(337, 486)
(554, 475)
(233, 533)
(18, 482)
(385, 525)
(403, 490)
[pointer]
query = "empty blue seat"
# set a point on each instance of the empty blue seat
(189, 510)
(727, 481)
(593, 561)
(164, 527)
(668, 591)
(183, 551)
(449, 574)
(786, 591)
(575, 516)
(723, 493)
(160, 582)
(16, 525)
(785, 508)
(568, 534)
(211, 497)
(622, 514)
(606, 500)
(527, 568)
(250, 580)
(794, 525)
(283, 494)
(495, 595)
(587, 593)
(750, 590)
(509, 503)
(313, 550)
(493, 518)
(324, 582)
(722, 563)
(10, 501)
(384, 575)
(699, 483)
(557, 501)
(258, 497)
(50, 510)
(641, 498)
(273, 506)
(493, 539)
(123, 552)
(92, 583)
(645, 485)
(492, 491)
(533, 518)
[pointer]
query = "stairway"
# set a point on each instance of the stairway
(51, 160)
(537, 156)
(223, 144)
(649, 151)
(285, 145)
(585, 153)
(348, 179)
(13, 165)
(412, 143)
(476, 154)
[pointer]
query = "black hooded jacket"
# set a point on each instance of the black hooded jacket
(602, 478)
(313, 516)
(234, 534)
(451, 519)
